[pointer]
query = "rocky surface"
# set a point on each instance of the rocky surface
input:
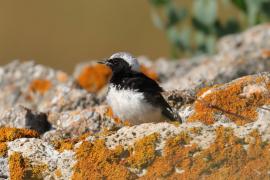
(56, 126)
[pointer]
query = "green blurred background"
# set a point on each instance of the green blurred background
(62, 33)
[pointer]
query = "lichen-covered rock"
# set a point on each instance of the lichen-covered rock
(156, 151)
(34, 158)
(26, 83)
(237, 101)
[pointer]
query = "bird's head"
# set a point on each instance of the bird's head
(122, 61)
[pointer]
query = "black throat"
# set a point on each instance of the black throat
(118, 78)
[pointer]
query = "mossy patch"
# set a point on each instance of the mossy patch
(231, 101)
(40, 85)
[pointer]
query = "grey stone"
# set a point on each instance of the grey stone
(4, 170)
(21, 117)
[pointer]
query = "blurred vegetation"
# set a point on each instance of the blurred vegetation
(194, 30)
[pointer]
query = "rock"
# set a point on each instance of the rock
(238, 55)
(154, 150)
(78, 122)
(21, 117)
(67, 98)
(42, 156)
(4, 168)
(26, 83)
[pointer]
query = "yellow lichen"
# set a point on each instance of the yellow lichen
(68, 144)
(110, 114)
(10, 134)
(230, 102)
(58, 173)
(35, 171)
(195, 130)
(65, 144)
(3, 149)
(16, 166)
(143, 152)
(226, 158)
(96, 161)
(174, 153)
(20, 168)
(40, 85)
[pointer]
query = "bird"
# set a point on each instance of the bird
(132, 95)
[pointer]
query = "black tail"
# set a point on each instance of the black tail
(171, 115)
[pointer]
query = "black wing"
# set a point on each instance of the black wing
(152, 92)
(141, 83)
(157, 100)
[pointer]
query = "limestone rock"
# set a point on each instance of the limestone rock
(21, 117)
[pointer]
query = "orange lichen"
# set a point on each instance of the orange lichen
(110, 114)
(226, 158)
(117, 120)
(40, 85)
(93, 78)
(35, 171)
(265, 53)
(175, 153)
(85, 135)
(62, 76)
(230, 102)
(143, 152)
(96, 161)
(20, 168)
(16, 166)
(68, 144)
(149, 72)
(195, 130)
(58, 173)
(65, 144)
(3, 149)
(10, 134)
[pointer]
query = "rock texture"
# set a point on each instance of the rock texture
(56, 126)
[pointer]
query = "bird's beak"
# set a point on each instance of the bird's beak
(102, 62)
(105, 62)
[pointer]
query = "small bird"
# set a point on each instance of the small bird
(132, 95)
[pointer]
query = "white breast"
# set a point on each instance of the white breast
(131, 106)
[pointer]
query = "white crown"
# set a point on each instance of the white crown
(131, 60)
